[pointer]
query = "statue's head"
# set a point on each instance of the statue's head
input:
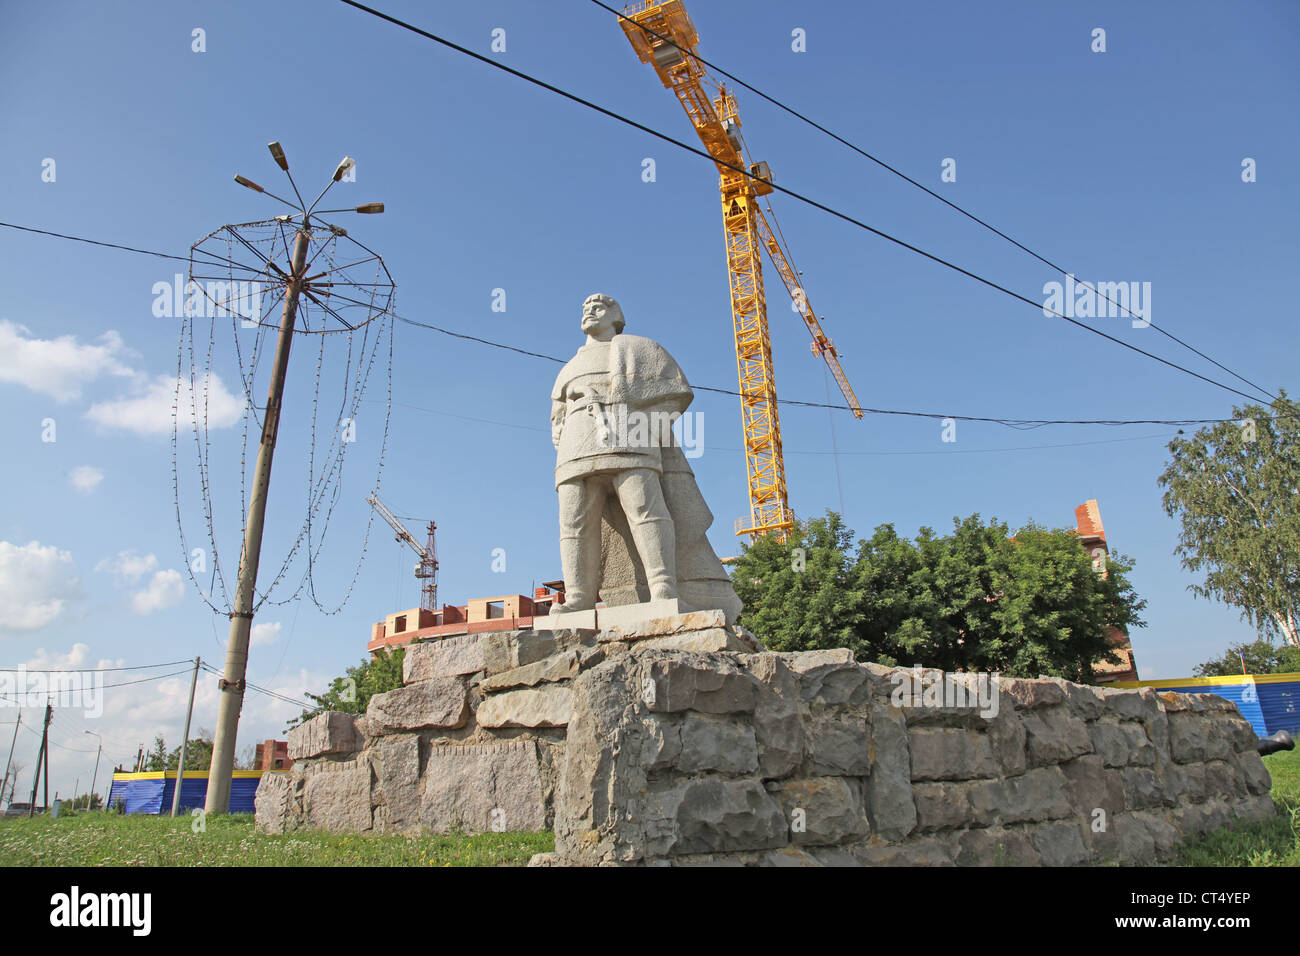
(601, 317)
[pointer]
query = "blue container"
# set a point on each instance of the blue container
(1271, 702)
(151, 792)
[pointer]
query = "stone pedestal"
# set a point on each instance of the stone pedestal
(475, 737)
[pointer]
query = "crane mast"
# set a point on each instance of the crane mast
(427, 568)
(747, 232)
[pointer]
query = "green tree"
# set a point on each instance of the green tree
(798, 593)
(926, 601)
(1261, 657)
(156, 759)
(198, 755)
(352, 692)
(1235, 486)
(976, 599)
(1053, 610)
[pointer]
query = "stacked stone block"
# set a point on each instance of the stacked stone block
(473, 739)
(813, 759)
(677, 740)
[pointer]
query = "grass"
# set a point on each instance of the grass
(1273, 842)
(110, 839)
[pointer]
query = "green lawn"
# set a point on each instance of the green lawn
(110, 839)
(1274, 842)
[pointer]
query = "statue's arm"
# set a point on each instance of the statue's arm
(653, 381)
(557, 418)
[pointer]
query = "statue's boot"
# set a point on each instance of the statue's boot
(580, 562)
(656, 542)
(653, 532)
(581, 504)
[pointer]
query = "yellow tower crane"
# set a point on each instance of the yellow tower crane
(747, 230)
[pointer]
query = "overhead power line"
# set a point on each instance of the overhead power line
(145, 680)
(789, 192)
(88, 670)
(788, 451)
(96, 242)
(899, 173)
(126, 683)
(1008, 422)
(261, 690)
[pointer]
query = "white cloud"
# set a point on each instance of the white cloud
(264, 634)
(133, 715)
(128, 566)
(151, 411)
(165, 589)
(57, 367)
(36, 584)
(78, 657)
(84, 478)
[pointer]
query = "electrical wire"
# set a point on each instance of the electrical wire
(88, 670)
(884, 165)
(790, 192)
(789, 451)
(262, 690)
(1009, 422)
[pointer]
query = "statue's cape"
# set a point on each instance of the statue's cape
(641, 373)
(702, 581)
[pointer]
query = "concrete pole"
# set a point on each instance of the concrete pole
(241, 617)
(96, 773)
(45, 739)
(46, 748)
(185, 739)
(13, 743)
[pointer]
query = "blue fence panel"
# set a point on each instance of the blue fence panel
(139, 796)
(1271, 702)
(151, 794)
(1280, 704)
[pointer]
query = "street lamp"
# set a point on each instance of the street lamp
(331, 291)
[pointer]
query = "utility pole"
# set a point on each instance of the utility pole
(241, 618)
(185, 740)
(232, 684)
(93, 776)
(139, 759)
(13, 743)
(46, 747)
(43, 755)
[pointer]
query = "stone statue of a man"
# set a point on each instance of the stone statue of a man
(611, 410)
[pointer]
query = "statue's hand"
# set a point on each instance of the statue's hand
(557, 422)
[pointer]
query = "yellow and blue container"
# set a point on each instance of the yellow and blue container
(151, 791)
(1271, 702)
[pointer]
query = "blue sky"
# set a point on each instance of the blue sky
(1121, 166)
